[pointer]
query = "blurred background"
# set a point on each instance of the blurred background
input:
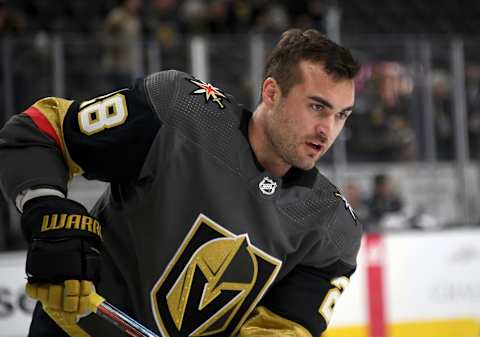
(408, 159)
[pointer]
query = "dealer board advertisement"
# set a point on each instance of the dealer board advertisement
(15, 307)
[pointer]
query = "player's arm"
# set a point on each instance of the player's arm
(105, 138)
(301, 304)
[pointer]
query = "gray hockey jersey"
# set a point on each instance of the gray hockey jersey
(196, 233)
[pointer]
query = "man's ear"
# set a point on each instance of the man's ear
(270, 91)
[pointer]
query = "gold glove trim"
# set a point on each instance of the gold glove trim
(265, 323)
(64, 303)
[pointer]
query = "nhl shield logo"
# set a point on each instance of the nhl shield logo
(267, 186)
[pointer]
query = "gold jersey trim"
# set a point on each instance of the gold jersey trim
(55, 109)
(266, 323)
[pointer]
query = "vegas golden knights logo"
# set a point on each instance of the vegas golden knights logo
(213, 282)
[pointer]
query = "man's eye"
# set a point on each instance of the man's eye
(344, 114)
(317, 107)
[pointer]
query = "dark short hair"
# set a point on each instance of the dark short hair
(296, 45)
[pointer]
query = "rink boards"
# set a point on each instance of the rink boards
(407, 284)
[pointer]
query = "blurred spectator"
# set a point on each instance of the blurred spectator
(10, 21)
(473, 109)
(385, 201)
(442, 108)
(355, 198)
(232, 16)
(46, 16)
(193, 14)
(269, 17)
(380, 127)
(306, 14)
(397, 141)
(76, 11)
(165, 28)
(421, 219)
(206, 16)
(122, 31)
(217, 17)
(163, 24)
(239, 15)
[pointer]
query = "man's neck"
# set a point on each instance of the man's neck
(262, 147)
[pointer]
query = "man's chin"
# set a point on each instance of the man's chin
(305, 165)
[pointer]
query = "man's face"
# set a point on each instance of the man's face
(304, 124)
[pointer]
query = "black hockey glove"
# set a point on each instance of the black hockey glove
(64, 241)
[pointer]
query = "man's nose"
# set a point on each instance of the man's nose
(325, 125)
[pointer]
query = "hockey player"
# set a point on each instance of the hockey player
(216, 221)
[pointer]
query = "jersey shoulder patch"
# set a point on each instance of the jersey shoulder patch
(209, 92)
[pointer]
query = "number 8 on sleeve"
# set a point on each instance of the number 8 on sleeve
(107, 113)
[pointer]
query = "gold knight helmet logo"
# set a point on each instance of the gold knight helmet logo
(212, 284)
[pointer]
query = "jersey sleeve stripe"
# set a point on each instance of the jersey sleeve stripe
(48, 115)
(43, 124)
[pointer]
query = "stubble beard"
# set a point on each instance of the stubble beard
(285, 143)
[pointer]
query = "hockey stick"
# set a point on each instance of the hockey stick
(108, 312)
(119, 318)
